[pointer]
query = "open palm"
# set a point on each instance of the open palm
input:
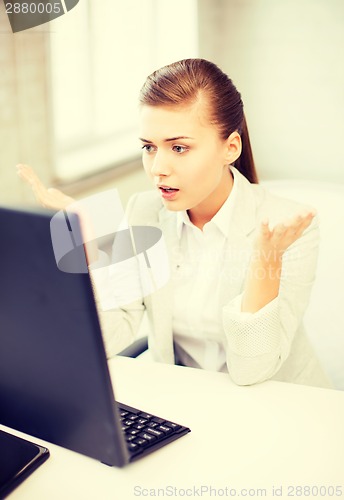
(47, 197)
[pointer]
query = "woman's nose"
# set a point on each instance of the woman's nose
(160, 166)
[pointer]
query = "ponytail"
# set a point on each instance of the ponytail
(245, 162)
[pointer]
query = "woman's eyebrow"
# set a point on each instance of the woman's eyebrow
(179, 137)
(168, 140)
(145, 140)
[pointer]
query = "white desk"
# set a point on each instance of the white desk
(264, 436)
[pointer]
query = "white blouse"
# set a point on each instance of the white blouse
(197, 306)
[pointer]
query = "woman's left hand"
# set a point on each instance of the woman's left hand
(264, 274)
(274, 242)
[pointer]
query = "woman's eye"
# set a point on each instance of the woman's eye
(148, 148)
(179, 149)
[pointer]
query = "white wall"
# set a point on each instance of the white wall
(286, 58)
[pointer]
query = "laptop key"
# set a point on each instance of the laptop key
(139, 426)
(152, 424)
(141, 420)
(174, 427)
(141, 442)
(147, 416)
(132, 431)
(155, 432)
(147, 437)
(128, 422)
(164, 428)
(158, 420)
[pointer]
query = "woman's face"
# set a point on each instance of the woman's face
(186, 158)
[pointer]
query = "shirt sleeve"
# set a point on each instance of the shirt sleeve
(258, 343)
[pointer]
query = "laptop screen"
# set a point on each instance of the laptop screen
(54, 379)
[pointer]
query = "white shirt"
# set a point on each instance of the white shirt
(197, 306)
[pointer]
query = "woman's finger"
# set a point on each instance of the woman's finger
(301, 222)
(27, 173)
(265, 230)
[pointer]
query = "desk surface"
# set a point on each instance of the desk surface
(245, 441)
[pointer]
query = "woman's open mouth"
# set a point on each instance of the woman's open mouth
(168, 193)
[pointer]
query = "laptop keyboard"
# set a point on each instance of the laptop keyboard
(145, 432)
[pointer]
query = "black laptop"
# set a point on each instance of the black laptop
(54, 377)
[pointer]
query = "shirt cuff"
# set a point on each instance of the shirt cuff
(251, 334)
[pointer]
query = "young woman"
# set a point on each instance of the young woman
(242, 260)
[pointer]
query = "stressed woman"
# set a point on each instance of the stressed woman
(242, 261)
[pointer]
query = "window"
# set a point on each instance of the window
(101, 53)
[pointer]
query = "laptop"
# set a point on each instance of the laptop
(54, 378)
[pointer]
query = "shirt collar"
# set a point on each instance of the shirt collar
(221, 218)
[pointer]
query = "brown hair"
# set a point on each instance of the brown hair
(183, 82)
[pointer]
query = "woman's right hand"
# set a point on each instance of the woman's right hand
(55, 199)
(48, 198)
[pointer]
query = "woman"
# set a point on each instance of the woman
(242, 261)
